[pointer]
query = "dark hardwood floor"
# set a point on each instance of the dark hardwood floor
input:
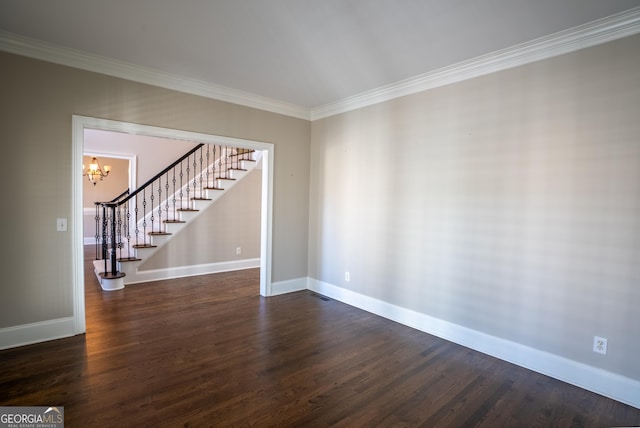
(209, 351)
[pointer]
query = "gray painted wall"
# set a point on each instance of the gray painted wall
(508, 204)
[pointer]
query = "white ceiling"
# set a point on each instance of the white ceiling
(306, 53)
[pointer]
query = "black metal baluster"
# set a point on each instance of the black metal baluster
(119, 230)
(187, 188)
(235, 159)
(214, 172)
(173, 193)
(97, 233)
(195, 173)
(160, 205)
(208, 165)
(151, 216)
(135, 219)
(144, 216)
(104, 236)
(226, 161)
(201, 174)
(166, 189)
(114, 267)
(181, 194)
(128, 228)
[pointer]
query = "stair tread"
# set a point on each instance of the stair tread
(158, 233)
(187, 209)
(237, 169)
(173, 221)
(224, 178)
(129, 259)
(109, 275)
(144, 246)
(200, 199)
(214, 188)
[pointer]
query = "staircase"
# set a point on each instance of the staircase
(134, 226)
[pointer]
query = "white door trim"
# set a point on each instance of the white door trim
(133, 163)
(80, 123)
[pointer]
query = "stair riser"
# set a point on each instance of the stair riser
(160, 239)
(188, 215)
(129, 268)
(173, 228)
(144, 253)
(201, 205)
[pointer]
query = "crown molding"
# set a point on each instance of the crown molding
(591, 34)
(32, 48)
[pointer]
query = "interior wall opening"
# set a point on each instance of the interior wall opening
(88, 139)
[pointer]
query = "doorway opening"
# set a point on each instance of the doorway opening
(82, 124)
(122, 176)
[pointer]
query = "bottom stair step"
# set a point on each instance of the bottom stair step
(109, 275)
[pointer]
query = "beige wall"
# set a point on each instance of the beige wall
(38, 101)
(508, 204)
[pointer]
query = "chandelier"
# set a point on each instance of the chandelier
(94, 172)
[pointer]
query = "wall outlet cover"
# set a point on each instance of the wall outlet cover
(600, 345)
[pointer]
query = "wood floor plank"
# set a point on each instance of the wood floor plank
(209, 351)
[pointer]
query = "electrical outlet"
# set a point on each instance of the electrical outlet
(61, 225)
(347, 276)
(600, 345)
(238, 250)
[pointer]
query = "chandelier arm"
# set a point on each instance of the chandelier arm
(95, 171)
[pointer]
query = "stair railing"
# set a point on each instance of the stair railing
(127, 222)
(99, 215)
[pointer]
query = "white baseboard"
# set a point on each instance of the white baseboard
(27, 334)
(608, 384)
(203, 269)
(289, 286)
